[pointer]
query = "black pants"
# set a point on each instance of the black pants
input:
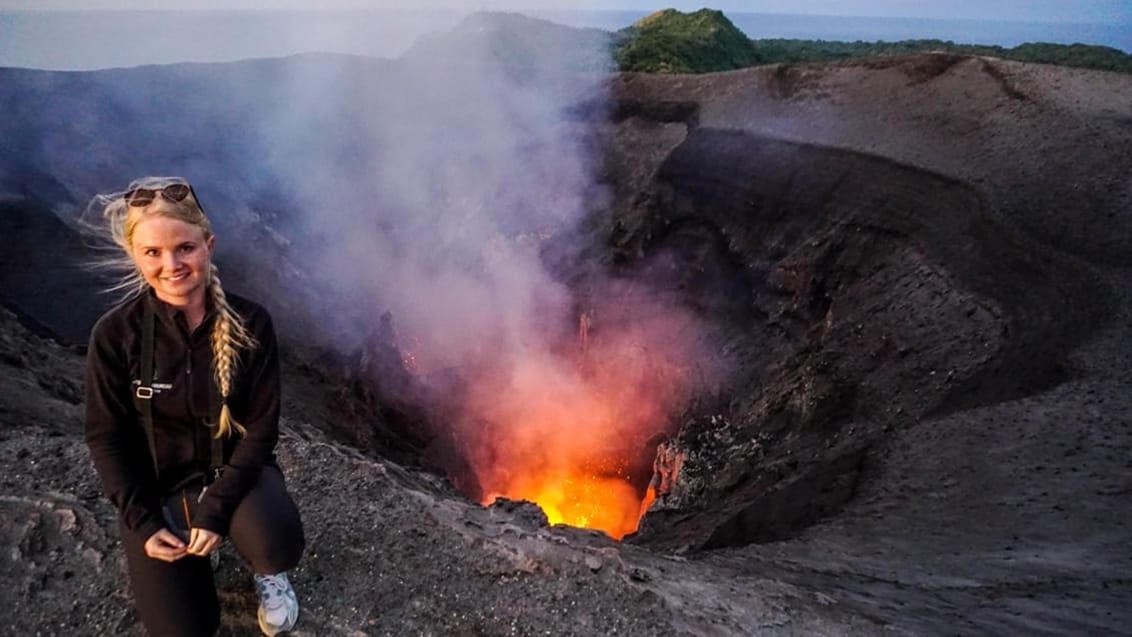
(179, 598)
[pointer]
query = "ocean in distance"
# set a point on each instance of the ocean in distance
(86, 40)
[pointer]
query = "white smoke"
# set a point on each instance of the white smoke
(437, 207)
(430, 188)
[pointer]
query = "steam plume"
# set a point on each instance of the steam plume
(438, 211)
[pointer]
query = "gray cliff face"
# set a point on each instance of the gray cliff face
(915, 270)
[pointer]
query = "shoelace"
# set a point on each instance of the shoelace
(272, 588)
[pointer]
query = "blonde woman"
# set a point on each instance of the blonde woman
(182, 411)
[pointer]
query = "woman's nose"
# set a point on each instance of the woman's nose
(171, 260)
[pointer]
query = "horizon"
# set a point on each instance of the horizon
(1044, 11)
(28, 37)
(532, 12)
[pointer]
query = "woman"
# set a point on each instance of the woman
(182, 417)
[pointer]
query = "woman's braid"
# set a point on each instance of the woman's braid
(229, 334)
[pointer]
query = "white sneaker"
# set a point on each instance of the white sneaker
(278, 607)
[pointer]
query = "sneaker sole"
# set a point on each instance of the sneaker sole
(271, 631)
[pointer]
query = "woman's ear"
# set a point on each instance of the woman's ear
(211, 243)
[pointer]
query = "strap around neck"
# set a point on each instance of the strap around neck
(144, 394)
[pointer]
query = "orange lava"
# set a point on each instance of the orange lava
(565, 434)
(562, 453)
(587, 501)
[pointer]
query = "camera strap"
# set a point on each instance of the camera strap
(216, 448)
(144, 394)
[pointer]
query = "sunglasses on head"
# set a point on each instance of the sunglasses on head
(145, 196)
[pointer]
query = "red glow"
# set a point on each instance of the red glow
(565, 432)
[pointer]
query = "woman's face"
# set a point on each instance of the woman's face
(173, 257)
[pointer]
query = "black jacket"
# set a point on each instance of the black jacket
(185, 397)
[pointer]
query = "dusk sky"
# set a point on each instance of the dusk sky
(1105, 11)
(72, 34)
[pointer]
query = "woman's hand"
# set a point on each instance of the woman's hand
(202, 541)
(165, 546)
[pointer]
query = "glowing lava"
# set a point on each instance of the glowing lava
(569, 468)
(571, 433)
(588, 501)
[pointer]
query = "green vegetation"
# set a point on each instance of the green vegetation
(1078, 55)
(673, 42)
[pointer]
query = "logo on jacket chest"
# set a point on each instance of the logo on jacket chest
(155, 386)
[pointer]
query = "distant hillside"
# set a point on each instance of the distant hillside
(673, 42)
(705, 41)
(665, 42)
(517, 41)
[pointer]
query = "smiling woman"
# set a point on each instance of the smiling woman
(173, 258)
(175, 501)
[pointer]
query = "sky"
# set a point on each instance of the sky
(1104, 11)
(72, 34)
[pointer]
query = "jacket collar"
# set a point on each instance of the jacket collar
(174, 319)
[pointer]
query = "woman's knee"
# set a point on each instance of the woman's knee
(275, 551)
(266, 528)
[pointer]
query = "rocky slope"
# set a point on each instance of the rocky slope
(390, 552)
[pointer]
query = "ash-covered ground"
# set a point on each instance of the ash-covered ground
(922, 265)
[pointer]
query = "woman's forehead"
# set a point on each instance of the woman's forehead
(158, 230)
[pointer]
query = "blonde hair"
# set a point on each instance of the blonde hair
(229, 333)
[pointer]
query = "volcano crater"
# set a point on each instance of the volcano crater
(850, 295)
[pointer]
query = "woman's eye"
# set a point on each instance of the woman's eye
(187, 248)
(151, 252)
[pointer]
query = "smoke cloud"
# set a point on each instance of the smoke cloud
(435, 204)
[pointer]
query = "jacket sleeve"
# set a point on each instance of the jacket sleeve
(113, 435)
(255, 405)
